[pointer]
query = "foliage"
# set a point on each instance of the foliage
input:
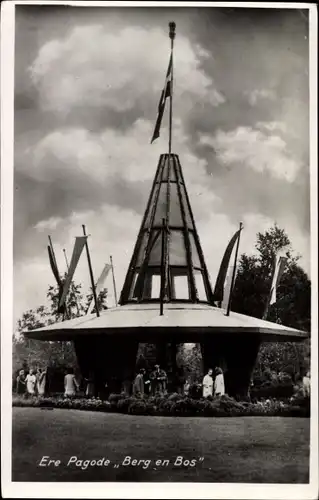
(223, 406)
(292, 307)
(29, 353)
(190, 357)
(253, 283)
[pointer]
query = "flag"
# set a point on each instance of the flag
(54, 266)
(278, 271)
(166, 92)
(99, 285)
(220, 281)
(77, 250)
(227, 286)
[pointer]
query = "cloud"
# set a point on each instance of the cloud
(85, 115)
(48, 225)
(256, 149)
(108, 159)
(255, 95)
(112, 232)
(93, 66)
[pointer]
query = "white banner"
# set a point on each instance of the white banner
(99, 285)
(77, 250)
(228, 285)
(279, 269)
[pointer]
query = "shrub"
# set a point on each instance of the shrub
(298, 406)
(114, 398)
(273, 389)
(124, 404)
(137, 408)
(174, 396)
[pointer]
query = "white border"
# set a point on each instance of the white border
(137, 490)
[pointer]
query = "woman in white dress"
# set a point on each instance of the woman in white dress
(219, 384)
(31, 381)
(70, 384)
(208, 384)
(306, 383)
(41, 380)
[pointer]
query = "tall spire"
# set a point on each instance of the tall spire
(172, 27)
(167, 262)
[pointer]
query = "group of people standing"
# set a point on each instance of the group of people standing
(214, 385)
(33, 383)
(155, 383)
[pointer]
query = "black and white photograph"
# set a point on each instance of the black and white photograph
(159, 258)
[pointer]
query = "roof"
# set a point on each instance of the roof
(183, 322)
(167, 259)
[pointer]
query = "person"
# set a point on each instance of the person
(21, 385)
(306, 383)
(208, 384)
(158, 379)
(41, 381)
(186, 387)
(89, 389)
(219, 384)
(31, 381)
(70, 384)
(138, 385)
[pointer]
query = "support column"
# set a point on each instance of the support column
(161, 354)
(236, 357)
(112, 361)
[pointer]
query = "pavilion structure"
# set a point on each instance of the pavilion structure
(167, 299)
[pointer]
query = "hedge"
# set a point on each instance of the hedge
(174, 405)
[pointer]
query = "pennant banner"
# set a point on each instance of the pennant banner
(99, 285)
(220, 281)
(77, 250)
(279, 269)
(54, 266)
(166, 92)
(228, 286)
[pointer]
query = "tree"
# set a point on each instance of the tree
(190, 357)
(292, 307)
(254, 277)
(29, 352)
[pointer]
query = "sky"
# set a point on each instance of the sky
(87, 86)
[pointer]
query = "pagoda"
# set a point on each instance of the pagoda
(167, 298)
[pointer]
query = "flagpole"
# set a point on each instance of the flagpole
(234, 271)
(66, 259)
(172, 27)
(266, 311)
(67, 270)
(91, 273)
(265, 315)
(114, 284)
(162, 292)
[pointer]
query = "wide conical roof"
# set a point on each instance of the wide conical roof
(168, 252)
(180, 322)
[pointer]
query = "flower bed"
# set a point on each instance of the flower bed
(174, 405)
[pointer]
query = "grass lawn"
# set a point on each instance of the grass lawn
(244, 449)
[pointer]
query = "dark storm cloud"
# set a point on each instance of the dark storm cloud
(258, 61)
